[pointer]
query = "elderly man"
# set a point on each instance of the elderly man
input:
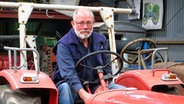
(78, 42)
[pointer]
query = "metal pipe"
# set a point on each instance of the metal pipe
(37, 66)
(153, 59)
(64, 7)
(2, 37)
(140, 58)
(153, 51)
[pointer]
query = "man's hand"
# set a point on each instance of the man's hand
(84, 95)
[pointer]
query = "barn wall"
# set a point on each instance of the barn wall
(172, 32)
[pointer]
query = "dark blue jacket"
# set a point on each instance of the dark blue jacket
(68, 52)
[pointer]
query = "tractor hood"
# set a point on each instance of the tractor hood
(134, 97)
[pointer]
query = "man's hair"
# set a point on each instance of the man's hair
(76, 11)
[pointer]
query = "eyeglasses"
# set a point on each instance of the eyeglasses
(82, 23)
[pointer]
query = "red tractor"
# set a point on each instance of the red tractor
(147, 86)
(21, 86)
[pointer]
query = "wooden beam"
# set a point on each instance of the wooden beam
(169, 42)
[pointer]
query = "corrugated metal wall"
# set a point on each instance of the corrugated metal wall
(173, 27)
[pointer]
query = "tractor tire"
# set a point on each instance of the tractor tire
(8, 96)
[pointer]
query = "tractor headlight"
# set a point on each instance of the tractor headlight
(29, 78)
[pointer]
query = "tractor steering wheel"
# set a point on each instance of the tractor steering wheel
(117, 57)
(140, 46)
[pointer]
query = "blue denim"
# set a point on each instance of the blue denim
(67, 95)
(115, 86)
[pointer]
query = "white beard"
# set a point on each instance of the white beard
(83, 36)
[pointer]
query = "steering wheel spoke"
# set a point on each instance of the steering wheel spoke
(87, 66)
